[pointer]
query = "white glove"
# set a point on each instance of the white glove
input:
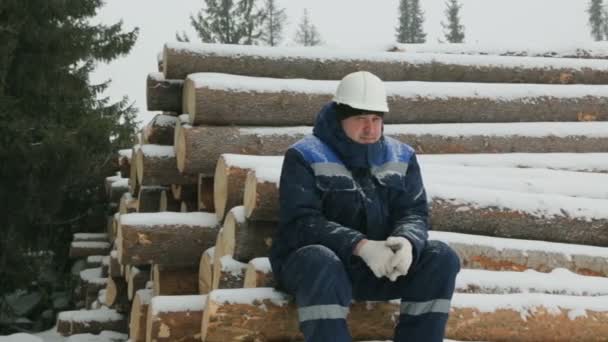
(377, 255)
(402, 260)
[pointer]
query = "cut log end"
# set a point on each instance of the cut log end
(250, 194)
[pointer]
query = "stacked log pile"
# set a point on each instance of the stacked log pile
(186, 253)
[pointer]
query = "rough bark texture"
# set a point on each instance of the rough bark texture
(247, 239)
(178, 63)
(80, 322)
(450, 217)
(209, 106)
(173, 281)
(205, 194)
(116, 294)
(260, 198)
(149, 199)
(160, 130)
(162, 94)
(164, 244)
(171, 326)
(228, 187)
(139, 315)
(159, 170)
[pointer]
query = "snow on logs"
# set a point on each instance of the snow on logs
(90, 321)
(182, 59)
(246, 239)
(261, 196)
(175, 318)
(198, 148)
(165, 238)
(162, 94)
(155, 165)
(83, 249)
(160, 130)
(220, 99)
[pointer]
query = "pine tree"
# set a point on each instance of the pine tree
(405, 20)
(596, 19)
(307, 33)
(272, 33)
(57, 132)
(417, 31)
(227, 22)
(455, 31)
(411, 19)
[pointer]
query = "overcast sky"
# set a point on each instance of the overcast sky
(349, 23)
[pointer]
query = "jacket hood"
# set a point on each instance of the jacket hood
(353, 154)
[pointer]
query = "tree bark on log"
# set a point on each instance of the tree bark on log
(175, 318)
(139, 315)
(163, 94)
(199, 148)
(205, 271)
(230, 273)
(181, 60)
(156, 165)
(296, 102)
(246, 239)
(116, 294)
(178, 239)
(174, 281)
(137, 281)
(168, 203)
(261, 195)
(90, 322)
(205, 193)
(83, 249)
(259, 274)
(149, 199)
(160, 130)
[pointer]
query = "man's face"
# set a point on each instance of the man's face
(364, 129)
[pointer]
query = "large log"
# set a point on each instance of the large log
(83, 249)
(175, 318)
(205, 193)
(136, 280)
(91, 281)
(90, 321)
(261, 194)
(116, 294)
(230, 273)
(165, 238)
(212, 99)
(156, 165)
(108, 183)
(162, 94)
(205, 271)
(100, 237)
(245, 239)
(139, 315)
(173, 281)
(259, 274)
(198, 148)
(180, 60)
(149, 198)
(160, 130)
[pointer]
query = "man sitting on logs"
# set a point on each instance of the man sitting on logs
(354, 220)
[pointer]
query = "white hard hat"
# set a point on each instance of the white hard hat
(362, 90)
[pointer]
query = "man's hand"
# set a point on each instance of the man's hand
(377, 255)
(402, 259)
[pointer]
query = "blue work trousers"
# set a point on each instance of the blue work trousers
(324, 288)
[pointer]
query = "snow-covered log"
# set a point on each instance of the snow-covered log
(90, 321)
(245, 239)
(90, 237)
(503, 254)
(136, 280)
(168, 203)
(163, 94)
(91, 281)
(259, 274)
(261, 195)
(205, 194)
(205, 271)
(139, 315)
(160, 130)
(175, 318)
(221, 99)
(116, 294)
(119, 188)
(83, 249)
(94, 261)
(173, 281)
(108, 183)
(182, 59)
(198, 147)
(165, 238)
(230, 273)
(156, 165)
